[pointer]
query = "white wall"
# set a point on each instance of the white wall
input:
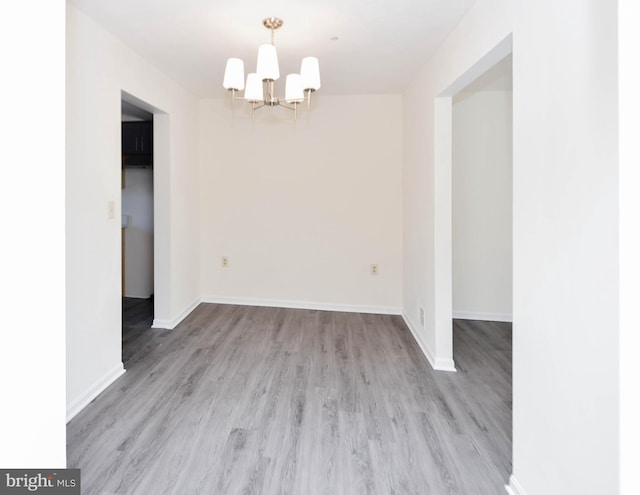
(565, 228)
(303, 208)
(32, 351)
(99, 67)
(137, 205)
(565, 350)
(629, 81)
(482, 205)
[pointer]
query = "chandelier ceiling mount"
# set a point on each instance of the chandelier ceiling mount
(272, 23)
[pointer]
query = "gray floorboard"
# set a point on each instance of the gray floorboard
(248, 400)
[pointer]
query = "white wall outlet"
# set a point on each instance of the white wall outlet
(111, 209)
(422, 316)
(225, 262)
(374, 269)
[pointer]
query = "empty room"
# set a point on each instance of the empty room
(350, 286)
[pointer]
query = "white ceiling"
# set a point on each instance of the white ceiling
(380, 45)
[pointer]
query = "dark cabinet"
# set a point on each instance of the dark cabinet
(137, 143)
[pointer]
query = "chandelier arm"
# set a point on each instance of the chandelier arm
(293, 108)
(254, 108)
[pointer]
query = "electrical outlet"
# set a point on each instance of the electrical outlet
(374, 269)
(225, 262)
(422, 316)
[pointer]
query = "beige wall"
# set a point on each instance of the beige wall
(302, 209)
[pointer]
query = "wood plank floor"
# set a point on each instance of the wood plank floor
(137, 318)
(247, 400)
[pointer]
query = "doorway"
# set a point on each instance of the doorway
(482, 197)
(442, 204)
(482, 242)
(137, 202)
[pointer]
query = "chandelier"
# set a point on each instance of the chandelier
(259, 89)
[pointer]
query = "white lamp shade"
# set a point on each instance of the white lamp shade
(268, 63)
(293, 89)
(253, 92)
(310, 73)
(234, 74)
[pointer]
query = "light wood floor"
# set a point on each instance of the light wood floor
(244, 400)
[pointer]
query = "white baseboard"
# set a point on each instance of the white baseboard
(445, 364)
(437, 363)
(275, 303)
(514, 488)
(474, 315)
(78, 404)
(171, 324)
